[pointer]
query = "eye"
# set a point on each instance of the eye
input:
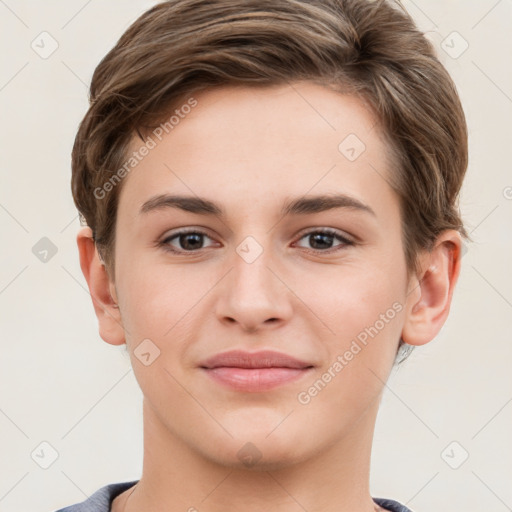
(321, 240)
(184, 241)
(192, 240)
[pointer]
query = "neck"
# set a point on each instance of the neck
(177, 478)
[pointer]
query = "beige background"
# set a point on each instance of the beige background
(61, 384)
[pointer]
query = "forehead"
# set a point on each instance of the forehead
(262, 141)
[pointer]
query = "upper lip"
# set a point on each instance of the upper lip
(261, 359)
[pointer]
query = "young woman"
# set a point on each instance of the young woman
(270, 192)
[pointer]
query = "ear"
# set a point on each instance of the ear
(430, 293)
(101, 288)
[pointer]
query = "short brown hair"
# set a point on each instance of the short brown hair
(368, 48)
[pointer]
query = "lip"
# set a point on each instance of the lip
(254, 371)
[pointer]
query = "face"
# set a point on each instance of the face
(262, 264)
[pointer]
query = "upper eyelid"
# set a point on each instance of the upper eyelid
(322, 229)
(186, 231)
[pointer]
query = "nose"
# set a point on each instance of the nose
(253, 295)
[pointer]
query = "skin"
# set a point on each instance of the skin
(250, 150)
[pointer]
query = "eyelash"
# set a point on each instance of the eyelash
(324, 231)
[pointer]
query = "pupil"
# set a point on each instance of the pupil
(322, 238)
(187, 237)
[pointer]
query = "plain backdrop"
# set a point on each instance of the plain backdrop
(70, 402)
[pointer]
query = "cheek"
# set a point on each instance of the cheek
(364, 314)
(352, 297)
(160, 301)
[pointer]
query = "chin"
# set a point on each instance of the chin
(250, 458)
(258, 451)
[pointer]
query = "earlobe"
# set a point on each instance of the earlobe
(430, 294)
(101, 288)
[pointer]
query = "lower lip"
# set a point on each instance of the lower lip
(255, 379)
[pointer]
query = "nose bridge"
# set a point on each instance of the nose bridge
(252, 294)
(251, 274)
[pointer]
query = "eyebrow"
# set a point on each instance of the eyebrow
(300, 206)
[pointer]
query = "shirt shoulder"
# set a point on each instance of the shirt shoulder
(391, 505)
(101, 500)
